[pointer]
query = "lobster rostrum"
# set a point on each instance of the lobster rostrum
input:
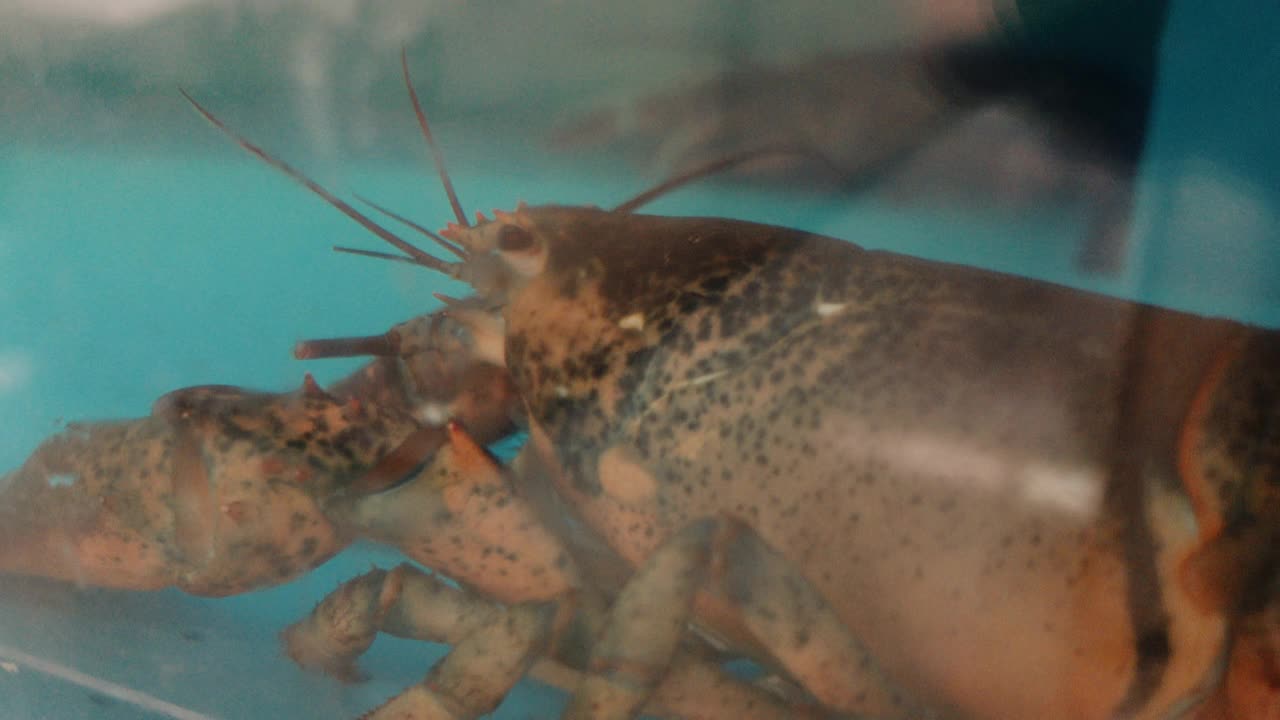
(909, 488)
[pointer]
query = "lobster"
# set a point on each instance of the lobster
(906, 488)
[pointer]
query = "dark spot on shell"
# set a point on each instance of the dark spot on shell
(513, 238)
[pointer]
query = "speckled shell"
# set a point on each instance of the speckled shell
(979, 472)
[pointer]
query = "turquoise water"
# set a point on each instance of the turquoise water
(133, 268)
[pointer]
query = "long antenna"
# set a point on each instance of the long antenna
(716, 167)
(417, 254)
(436, 155)
(375, 254)
(459, 252)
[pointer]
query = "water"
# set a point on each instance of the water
(140, 253)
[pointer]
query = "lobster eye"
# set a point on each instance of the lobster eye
(513, 238)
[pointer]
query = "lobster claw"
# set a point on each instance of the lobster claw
(219, 491)
(448, 504)
(74, 511)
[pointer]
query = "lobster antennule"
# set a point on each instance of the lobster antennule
(436, 155)
(716, 167)
(375, 254)
(417, 254)
(457, 251)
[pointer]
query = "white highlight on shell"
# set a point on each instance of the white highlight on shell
(1073, 490)
(827, 309)
(634, 321)
(1021, 481)
(562, 391)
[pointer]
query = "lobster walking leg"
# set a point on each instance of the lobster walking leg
(455, 510)
(482, 667)
(744, 583)
(493, 645)
(408, 603)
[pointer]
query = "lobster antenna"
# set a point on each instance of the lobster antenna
(417, 254)
(459, 252)
(716, 167)
(436, 155)
(375, 254)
